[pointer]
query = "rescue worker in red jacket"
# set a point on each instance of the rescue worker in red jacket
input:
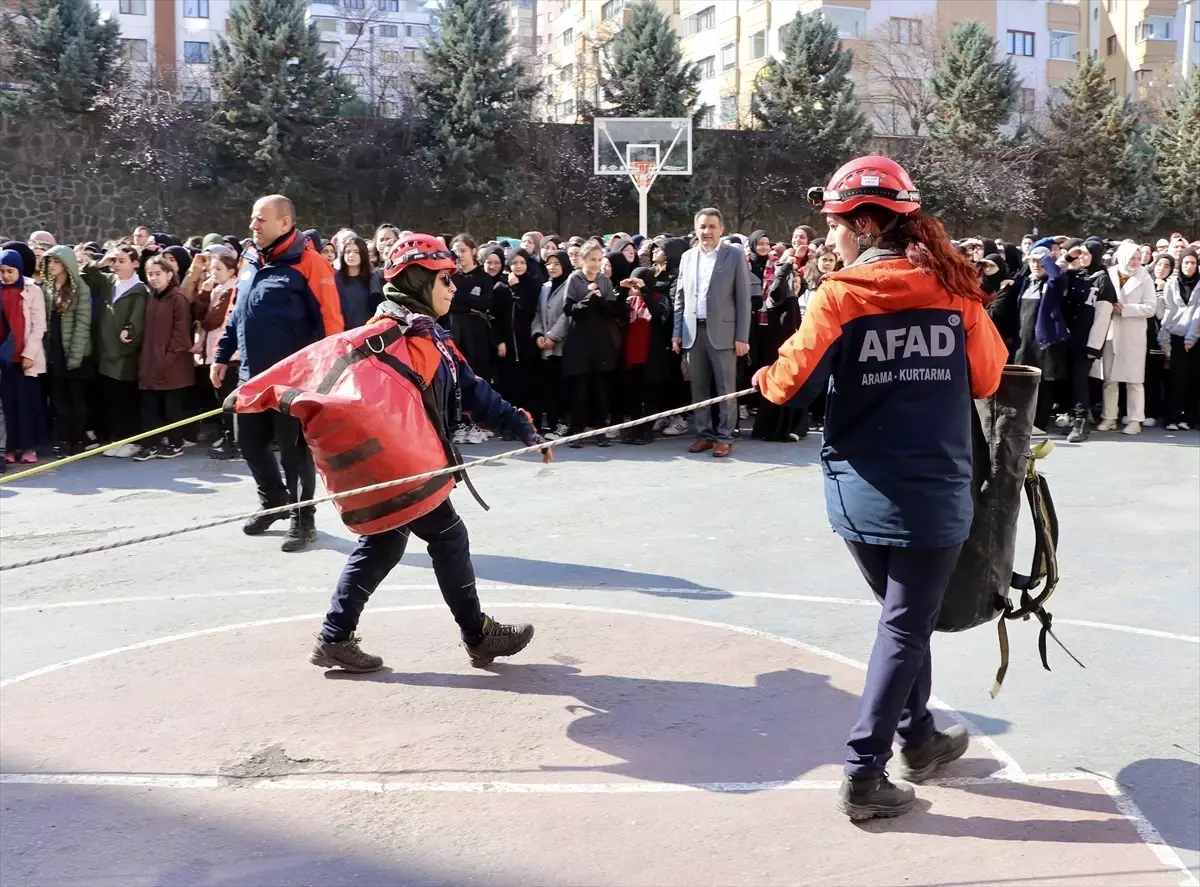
(418, 291)
(903, 332)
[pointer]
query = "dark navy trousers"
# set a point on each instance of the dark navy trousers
(445, 536)
(909, 583)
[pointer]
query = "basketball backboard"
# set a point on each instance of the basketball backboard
(621, 142)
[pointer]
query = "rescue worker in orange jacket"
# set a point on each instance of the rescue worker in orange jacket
(903, 334)
(418, 291)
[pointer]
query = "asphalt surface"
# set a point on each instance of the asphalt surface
(648, 530)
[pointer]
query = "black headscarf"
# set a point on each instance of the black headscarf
(1154, 264)
(485, 251)
(989, 246)
(621, 268)
(1013, 259)
(1097, 248)
(182, 257)
(314, 237)
(674, 247)
(758, 264)
(1187, 283)
(646, 276)
(564, 262)
(165, 240)
(27, 257)
(991, 282)
(528, 288)
(234, 243)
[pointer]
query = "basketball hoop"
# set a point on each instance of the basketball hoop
(642, 173)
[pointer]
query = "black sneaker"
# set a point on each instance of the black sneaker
(919, 763)
(346, 655)
(259, 524)
(167, 452)
(603, 441)
(302, 532)
(874, 796)
(224, 448)
(498, 640)
(145, 454)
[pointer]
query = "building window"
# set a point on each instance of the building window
(326, 25)
(565, 73)
(197, 94)
(355, 55)
(195, 53)
(1196, 32)
(1057, 96)
(354, 28)
(758, 45)
(329, 49)
(784, 32)
(568, 37)
(906, 30)
(704, 20)
(851, 23)
(729, 109)
(354, 4)
(326, 2)
(1062, 45)
(1156, 27)
(135, 50)
(1019, 43)
(389, 5)
(1028, 101)
(389, 31)
(1112, 84)
(565, 109)
(389, 109)
(133, 7)
(728, 56)
(707, 67)
(708, 118)
(412, 56)
(195, 8)
(358, 80)
(611, 8)
(1110, 45)
(389, 57)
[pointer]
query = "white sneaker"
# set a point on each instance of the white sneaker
(661, 424)
(678, 426)
(1037, 432)
(562, 429)
(1171, 426)
(1132, 428)
(460, 434)
(477, 435)
(1107, 425)
(112, 451)
(1184, 426)
(126, 452)
(613, 435)
(186, 444)
(1063, 420)
(743, 412)
(1150, 423)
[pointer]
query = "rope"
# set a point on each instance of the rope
(100, 448)
(333, 497)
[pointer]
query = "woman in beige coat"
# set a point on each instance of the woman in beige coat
(1118, 334)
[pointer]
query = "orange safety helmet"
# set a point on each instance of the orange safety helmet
(418, 249)
(874, 179)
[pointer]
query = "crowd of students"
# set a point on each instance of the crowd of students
(101, 342)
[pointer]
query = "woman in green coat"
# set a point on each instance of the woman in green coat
(120, 304)
(68, 347)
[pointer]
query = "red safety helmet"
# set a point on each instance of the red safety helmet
(418, 249)
(874, 179)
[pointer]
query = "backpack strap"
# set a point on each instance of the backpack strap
(1043, 569)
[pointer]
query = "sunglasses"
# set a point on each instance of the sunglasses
(444, 279)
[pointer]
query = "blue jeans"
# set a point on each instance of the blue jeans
(910, 584)
(445, 536)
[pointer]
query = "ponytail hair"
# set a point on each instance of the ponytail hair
(923, 241)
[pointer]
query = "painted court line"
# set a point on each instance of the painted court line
(1012, 771)
(693, 594)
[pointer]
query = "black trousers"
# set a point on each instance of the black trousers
(642, 398)
(256, 431)
(1183, 383)
(589, 400)
(122, 410)
(910, 584)
(445, 537)
(163, 408)
(553, 394)
(228, 384)
(68, 397)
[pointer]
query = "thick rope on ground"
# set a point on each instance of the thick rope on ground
(450, 469)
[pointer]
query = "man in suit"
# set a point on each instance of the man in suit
(712, 324)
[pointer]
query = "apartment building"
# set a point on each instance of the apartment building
(376, 43)
(522, 23)
(1144, 43)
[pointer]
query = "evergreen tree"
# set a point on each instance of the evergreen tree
(1100, 166)
(644, 74)
(1177, 143)
(278, 96)
(974, 94)
(809, 98)
(469, 94)
(66, 54)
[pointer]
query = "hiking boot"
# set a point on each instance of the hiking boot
(259, 524)
(346, 655)
(918, 763)
(874, 796)
(302, 532)
(1079, 431)
(498, 640)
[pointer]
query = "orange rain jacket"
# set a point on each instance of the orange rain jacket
(905, 358)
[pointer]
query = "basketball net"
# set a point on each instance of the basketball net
(642, 173)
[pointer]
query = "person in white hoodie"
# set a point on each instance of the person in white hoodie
(1118, 337)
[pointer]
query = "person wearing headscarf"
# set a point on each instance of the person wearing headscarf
(1177, 335)
(549, 330)
(68, 347)
(621, 265)
(992, 272)
(500, 317)
(183, 260)
(164, 240)
(590, 351)
(525, 278)
(1002, 309)
(1162, 268)
(1043, 331)
(647, 349)
(234, 244)
(1082, 258)
(677, 392)
(1118, 336)
(29, 261)
(22, 360)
